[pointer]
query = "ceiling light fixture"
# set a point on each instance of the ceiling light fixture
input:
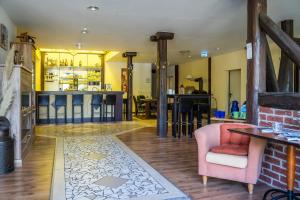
(93, 8)
(84, 31)
(78, 45)
(218, 48)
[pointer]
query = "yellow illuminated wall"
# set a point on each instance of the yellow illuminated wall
(38, 68)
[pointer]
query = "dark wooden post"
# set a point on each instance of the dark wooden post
(271, 80)
(256, 59)
(209, 75)
(129, 56)
(162, 63)
(102, 57)
(286, 76)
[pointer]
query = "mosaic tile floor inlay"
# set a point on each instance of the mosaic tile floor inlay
(94, 165)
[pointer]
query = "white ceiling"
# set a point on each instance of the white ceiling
(126, 25)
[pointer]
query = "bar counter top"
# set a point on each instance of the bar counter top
(78, 92)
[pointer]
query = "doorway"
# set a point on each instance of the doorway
(234, 87)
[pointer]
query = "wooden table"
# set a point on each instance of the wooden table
(291, 161)
(194, 97)
(148, 103)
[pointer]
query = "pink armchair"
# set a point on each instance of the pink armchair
(230, 156)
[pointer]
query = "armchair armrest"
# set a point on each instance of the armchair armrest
(255, 155)
(207, 137)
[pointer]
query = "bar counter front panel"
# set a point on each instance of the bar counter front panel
(87, 98)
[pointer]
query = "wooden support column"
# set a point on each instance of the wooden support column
(103, 72)
(162, 64)
(129, 56)
(271, 80)
(283, 40)
(209, 75)
(256, 61)
(296, 78)
(297, 72)
(286, 69)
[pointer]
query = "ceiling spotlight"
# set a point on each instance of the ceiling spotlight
(93, 8)
(189, 56)
(84, 31)
(78, 45)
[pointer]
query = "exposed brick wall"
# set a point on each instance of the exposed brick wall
(274, 161)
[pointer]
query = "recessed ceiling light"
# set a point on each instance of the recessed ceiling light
(218, 48)
(93, 8)
(190, 56)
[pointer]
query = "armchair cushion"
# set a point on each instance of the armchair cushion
(231, 149)
(227, 160)
(233, 138)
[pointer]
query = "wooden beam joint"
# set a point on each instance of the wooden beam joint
(162, 36)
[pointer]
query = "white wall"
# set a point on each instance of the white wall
(141, 77)
(12, 32)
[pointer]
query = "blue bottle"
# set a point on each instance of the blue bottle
(234, 107)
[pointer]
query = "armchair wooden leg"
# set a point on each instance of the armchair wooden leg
(204, 179)
(250, 188)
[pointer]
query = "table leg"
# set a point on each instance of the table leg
(290, 174)
(174, 119)
(147, 110)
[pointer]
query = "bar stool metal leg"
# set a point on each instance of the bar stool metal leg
(65, 109)
(55, 114)
(48, 115)
(73, 114)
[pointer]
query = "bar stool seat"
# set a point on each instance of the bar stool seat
(111, 102)
(77, 100)
(61, 101)
(97, 102)
(43, 101)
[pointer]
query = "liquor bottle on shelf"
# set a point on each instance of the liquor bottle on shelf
(71, 62)
(80, 63)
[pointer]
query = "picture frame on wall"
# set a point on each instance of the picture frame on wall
(3, 37)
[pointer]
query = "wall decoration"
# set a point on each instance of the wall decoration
(124, 79)
(3, 37)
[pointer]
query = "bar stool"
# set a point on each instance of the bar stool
(110, 101)
(61, 101)
(185, 109)
(43, 101)
(124, 108)
(77, 100)
(97, 102)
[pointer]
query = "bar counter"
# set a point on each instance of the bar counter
(87, 98)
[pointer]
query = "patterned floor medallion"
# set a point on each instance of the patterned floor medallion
(92, 164)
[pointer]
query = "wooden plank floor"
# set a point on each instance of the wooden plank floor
(177, 161)
(33, 180)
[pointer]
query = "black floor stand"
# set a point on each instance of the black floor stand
(276, 194)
